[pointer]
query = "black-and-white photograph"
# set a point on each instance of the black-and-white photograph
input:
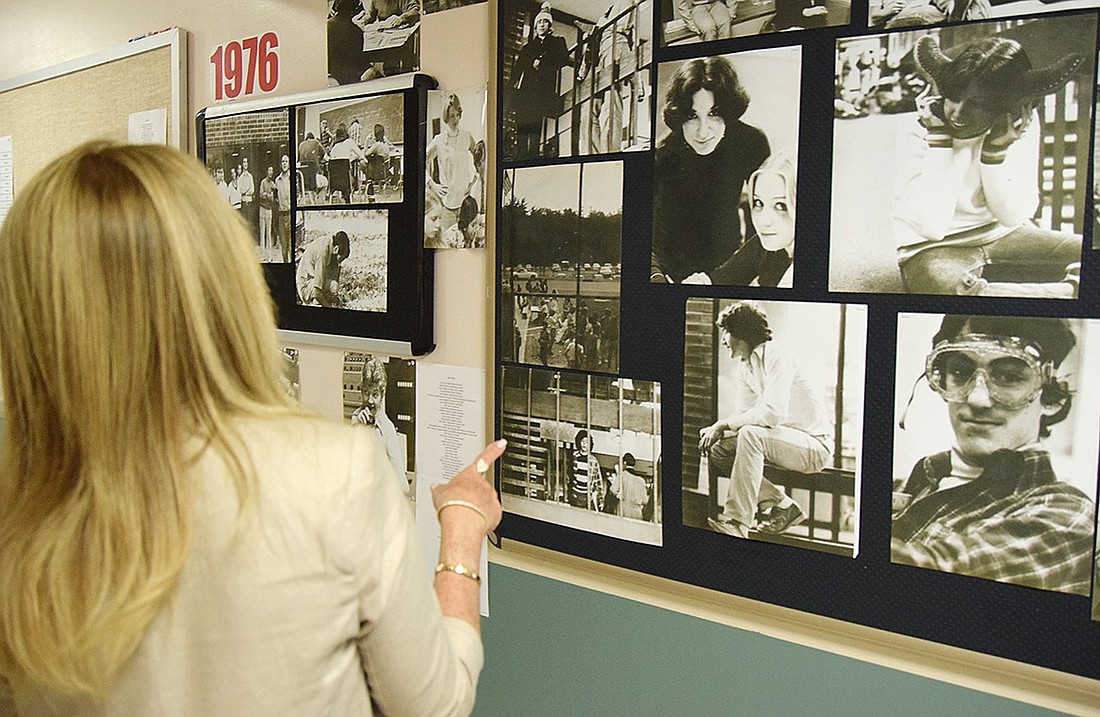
(578, 80)
(431, 6)
(351, 152)
(726, 159)
(691, 21)
(341, 259)
(902, 14)
(995, 448)
(1096, 574)
(292, 372)
(584, 451)
(454, 200)
(772, 434)
(379, 393)
(1096, 179)
(248, 156)
(560, 230)
(368, 39)
(959, 165)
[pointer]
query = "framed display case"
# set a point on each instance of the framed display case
(331, 184)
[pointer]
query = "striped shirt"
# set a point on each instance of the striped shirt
(585, 470)
(1015, 523)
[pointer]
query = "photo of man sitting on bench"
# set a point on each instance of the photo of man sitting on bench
(767, 445)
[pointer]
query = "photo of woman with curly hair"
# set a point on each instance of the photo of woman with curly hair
(713, 142)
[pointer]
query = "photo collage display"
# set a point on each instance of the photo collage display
(657, 163)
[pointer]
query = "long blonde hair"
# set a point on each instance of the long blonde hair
(134, 318)
(783, 162)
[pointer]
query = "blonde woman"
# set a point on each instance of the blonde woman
(450, 161)
(175, 536)
(767, 257)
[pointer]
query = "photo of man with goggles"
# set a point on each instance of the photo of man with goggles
(992, 505)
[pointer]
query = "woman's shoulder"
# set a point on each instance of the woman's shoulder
(743, 266)
(671, 152)
(744, 131)
(304, 445)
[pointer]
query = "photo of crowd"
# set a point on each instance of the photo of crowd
(584, 451)
(986, 195)
(341, 259)
(578, 79)
(726, 160)
(351, 152)
(772, 437)
(560, 232)
(248, 158)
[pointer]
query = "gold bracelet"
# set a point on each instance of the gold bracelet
(458, 569)
(464, 504)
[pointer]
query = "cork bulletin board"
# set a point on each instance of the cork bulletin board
(52, 110)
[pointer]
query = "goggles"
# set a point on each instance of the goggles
(1010, 370)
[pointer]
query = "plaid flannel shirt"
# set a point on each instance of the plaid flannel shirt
(1015, 523)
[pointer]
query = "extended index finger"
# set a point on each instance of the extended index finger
(490, 453)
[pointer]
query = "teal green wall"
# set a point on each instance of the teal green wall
(552, 648)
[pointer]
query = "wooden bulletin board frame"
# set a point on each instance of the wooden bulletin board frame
(51, 110)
